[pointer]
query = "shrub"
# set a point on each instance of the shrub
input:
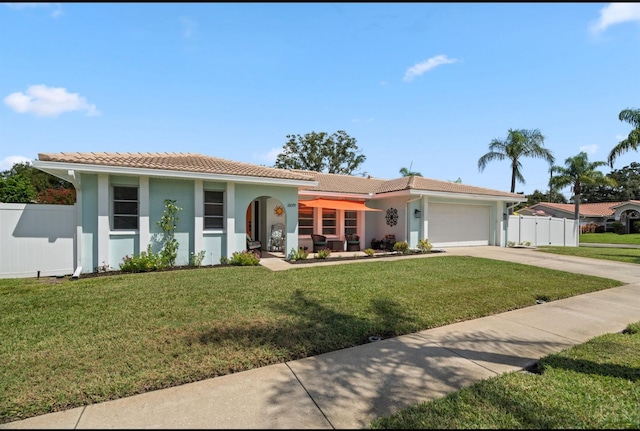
(299, 254)
(588, 227)
(323, 253)
(369, 251)
(168, 223)
(244, 258)
(196, 259)
(511, 243)
(636, 226)
(618, 227)
(424, 245)
(144, 262)
(401, 247)
(224, 260)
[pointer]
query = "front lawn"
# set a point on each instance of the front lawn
(595, 385)
(629, 255)
(610, 238)
(68, 343)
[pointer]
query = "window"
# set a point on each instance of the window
(305, 220)
(350, 222)
(213, 210)
(125, 207)
(328, 221)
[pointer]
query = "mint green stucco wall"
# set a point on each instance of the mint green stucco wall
(182, 191)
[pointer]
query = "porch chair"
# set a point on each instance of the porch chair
(353, 242)
(388, 242)
(277, 237)
(254, 246)
(319, 242)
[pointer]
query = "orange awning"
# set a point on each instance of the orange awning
(337, 204)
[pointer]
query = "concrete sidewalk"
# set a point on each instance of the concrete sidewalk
(351, 387)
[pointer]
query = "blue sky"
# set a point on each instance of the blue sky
(420, 85)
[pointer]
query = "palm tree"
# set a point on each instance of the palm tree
(631, 116)
(578, 172)
(519, 143)
(408, 172)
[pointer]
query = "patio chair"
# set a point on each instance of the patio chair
(319, 242)
(254, 246)
(353, 242)
(277, 237)
(388, 242)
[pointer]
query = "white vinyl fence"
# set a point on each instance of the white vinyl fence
(542, 231)
(36, 238)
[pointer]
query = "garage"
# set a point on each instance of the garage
(459, 224)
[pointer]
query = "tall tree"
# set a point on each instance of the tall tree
(631, 116)
(337, 153)
(17, 189)
(49, 189)
(519, 143)
(627, 188)
(577, 172)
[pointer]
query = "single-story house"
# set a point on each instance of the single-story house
(120, 197)
(602, 213)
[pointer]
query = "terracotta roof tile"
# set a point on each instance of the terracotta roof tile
(337, 183)
(354, 184)
(184, 162)
(598, 209)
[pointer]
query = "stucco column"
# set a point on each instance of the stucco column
(198, 228)
(103, 220)
(425, 217)
(230, 222)
(144, 232)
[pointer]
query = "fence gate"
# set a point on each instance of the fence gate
(541, 231)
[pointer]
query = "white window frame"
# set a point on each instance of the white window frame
(206, 217)
(115, 216)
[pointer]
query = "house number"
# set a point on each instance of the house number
(291, 205)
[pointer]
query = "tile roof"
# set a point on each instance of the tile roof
(354, 184)
(184, 162)
(336, 183)
(598, 209)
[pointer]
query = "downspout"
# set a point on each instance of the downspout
(408, 217)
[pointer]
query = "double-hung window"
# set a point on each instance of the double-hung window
(305, 220)
(328, 221)
(350, 222)
(125, 208)
(213, 210)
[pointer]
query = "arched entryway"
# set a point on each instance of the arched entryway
(628, 219)
(266, 222)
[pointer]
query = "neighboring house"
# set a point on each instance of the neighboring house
(602, 213)
(120, 197)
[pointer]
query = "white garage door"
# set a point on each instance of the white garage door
(459, 225)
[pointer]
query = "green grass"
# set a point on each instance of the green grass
(76, 342)
(610, 238)
(595, 385)
(629, 255)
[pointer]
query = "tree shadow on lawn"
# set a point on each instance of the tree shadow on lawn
(308, 327)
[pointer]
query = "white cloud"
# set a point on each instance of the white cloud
(589, 149)
(427, 65)
(55, 14)
(48, 101)
(615, 13)
(621, 137)
(271, 156)
(8, 162)
(189, 27)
